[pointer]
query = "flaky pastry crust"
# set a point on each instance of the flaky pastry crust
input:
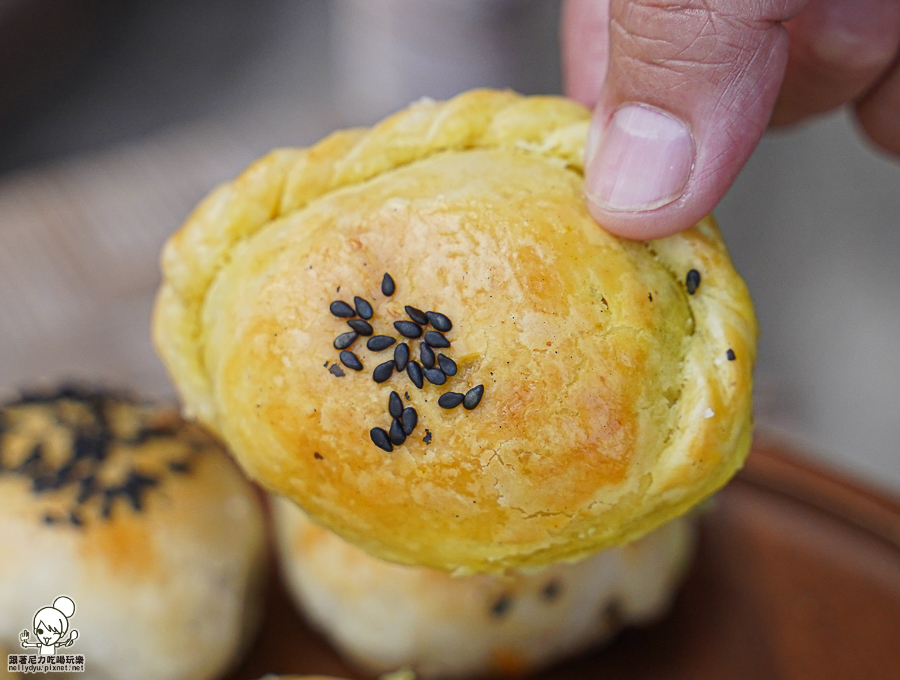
(615, 399)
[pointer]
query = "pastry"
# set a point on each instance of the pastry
(597, 387)
(132, 538)
(383, 616)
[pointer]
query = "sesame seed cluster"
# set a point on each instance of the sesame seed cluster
(90, 451)
(435, 367)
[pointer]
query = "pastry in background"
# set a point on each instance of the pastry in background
(384, 616)
(419, 334)
(133, 525)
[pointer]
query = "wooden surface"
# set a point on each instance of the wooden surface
(797, 576)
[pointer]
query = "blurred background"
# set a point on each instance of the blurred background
(117, 116)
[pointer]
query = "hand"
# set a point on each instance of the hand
(23, 638)
(691, 86)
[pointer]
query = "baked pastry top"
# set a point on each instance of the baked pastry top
(85, 459)
(616, 375)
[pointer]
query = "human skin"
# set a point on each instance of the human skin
(682, 91)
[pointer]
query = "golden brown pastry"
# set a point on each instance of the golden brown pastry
(616, 375)
(384, 616)
(128, 532)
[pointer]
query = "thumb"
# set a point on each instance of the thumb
(688, 93)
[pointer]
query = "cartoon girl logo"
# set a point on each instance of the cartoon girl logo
(50, 625)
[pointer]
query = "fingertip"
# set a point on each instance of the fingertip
(638, 226)
(640, 167)
(640, 160)
(686, 98)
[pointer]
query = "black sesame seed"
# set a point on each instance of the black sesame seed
(33, 461)
(363, 308)
(439, 321)
(44, 483)
(401, 356)
(336, 371)
(502, 606)
(730, 355)
(473, 397)
(360, 326)
(692, 281)
(435, 376)
(180, 466)
(613, 615)
(318, 456)
(450, 399)
(91, 446)
(426, 355)
(344, 340)
(408, 329)
(551, 591)
(109, 495)
(145, 434)
(448, 366)
(383, 371)
(436, 339)
(397, 435)
(75, 519)
(414, 371)
(379, 343)
(417, 315)
(380, 439)
(87, 487)
(350, 360)
(409, 419)
(387, 285)
(134, 487)
(342, 309)
(427, 438)
(395, 405)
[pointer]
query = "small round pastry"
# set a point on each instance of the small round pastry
(384, 616)
(563, 390)
(132, 538)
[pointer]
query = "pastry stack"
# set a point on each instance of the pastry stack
(484, 416)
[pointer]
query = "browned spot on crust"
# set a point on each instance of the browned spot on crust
(125, 545)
